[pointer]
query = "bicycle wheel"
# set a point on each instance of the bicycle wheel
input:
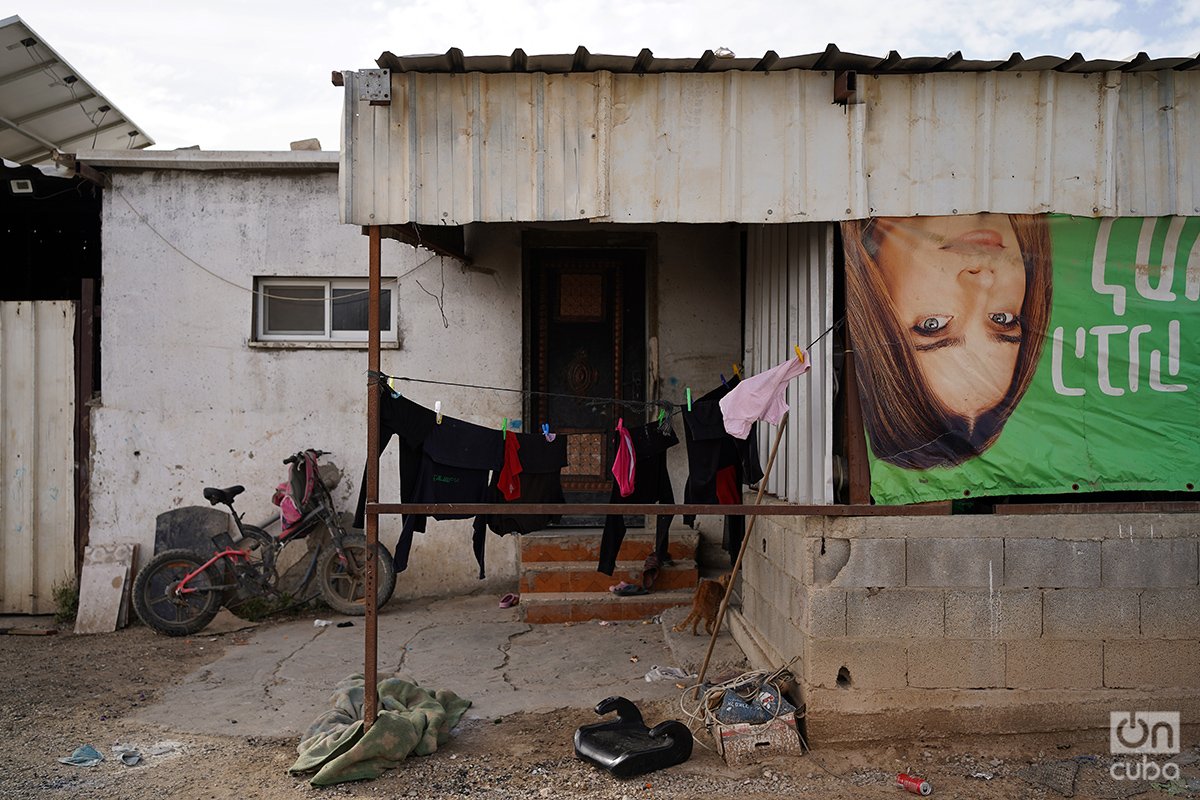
(157, 604)
(343, 584)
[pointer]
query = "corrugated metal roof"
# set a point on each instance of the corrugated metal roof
(831, 58)
(46, 105)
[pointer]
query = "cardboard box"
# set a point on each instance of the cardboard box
(741, 743)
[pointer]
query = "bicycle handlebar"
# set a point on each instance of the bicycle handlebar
(298, 456)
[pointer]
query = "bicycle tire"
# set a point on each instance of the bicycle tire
(342, 588)
(166, 613)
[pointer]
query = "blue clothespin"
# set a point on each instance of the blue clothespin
(546, 431)
(723, 381)
(689, 398)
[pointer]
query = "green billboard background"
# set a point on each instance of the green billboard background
(1075, 431)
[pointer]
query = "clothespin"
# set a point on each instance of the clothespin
(689, 398)
(737, 371)
(504, 428)
(546, 432)
(723, 381)
(391, 384)
(437, 409)
(662, 416)
(799, 352)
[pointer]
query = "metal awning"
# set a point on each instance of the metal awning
(46, 105)
(831, 58)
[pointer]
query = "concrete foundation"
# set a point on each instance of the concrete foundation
(920, 626)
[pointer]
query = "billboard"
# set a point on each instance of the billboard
(1003, 354)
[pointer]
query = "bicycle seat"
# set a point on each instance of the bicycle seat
(215, 496)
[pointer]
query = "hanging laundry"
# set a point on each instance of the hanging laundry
(411, 422)
(541, 465)
(648, 444)
(761, 397)
(455, 462)
(718, 464)
(624, 467)
(509, 479)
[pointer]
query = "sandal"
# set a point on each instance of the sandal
(650, 571)
(509, 600)
(624, 589)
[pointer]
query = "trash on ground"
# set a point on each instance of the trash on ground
(322, 623)
(983, 776)
(657, 673)
(85, 756)
(911, 783)
(128, 754)
(346, 624)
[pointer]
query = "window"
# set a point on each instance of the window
(319, 310)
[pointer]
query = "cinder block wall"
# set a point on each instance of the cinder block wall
(907, 626)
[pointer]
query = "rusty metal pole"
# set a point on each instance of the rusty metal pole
(762, 485)
(370, 657)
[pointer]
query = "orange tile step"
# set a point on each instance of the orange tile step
(581, 576)
(580, 606)
(584, 545)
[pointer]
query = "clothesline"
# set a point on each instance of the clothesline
(671, 408)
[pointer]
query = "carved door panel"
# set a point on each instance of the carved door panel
(588, 339)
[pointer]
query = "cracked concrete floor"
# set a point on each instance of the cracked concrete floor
(276, 679)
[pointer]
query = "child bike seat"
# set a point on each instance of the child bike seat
(626, 747)
(215, 496)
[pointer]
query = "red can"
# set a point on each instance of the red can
(914, 784)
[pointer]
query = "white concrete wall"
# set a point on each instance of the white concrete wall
(188, 403)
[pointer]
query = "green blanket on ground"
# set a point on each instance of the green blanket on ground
(410, 720)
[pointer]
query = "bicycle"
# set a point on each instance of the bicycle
(180, 591)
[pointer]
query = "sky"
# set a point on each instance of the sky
(255, 74)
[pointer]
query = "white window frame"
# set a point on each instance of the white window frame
(262, 287)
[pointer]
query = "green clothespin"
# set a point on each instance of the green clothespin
(504, 428)
(662, 415)
(689, 398)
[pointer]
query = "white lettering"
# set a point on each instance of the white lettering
(1060, 387)
(1192, 291)
(1166, 272)
(1135, 354)
(1172, 362)
(1099, 258)
(1102, 332)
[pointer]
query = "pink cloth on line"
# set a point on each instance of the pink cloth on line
(760, 397)
(624, 465)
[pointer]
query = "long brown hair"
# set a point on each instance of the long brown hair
(906, 423)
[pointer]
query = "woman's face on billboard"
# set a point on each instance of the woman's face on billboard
(957, 284)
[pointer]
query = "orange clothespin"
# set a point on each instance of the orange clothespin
(437, 409)
(799, 352)
(737, 371)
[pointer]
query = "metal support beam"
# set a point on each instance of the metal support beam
(370, 657)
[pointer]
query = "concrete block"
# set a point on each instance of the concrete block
(822, 612)
(1148, 562)
(889, 613)
(1153, 664)
(956, 664)
(857, 562)
(955, 562)
(1090, 614)
(1171, 614)
(1054, 664)
(1002, 614)
(1051, 563)
(873, 664)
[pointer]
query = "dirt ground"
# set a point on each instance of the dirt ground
(64, 691)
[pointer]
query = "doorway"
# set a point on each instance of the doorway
(587, 326)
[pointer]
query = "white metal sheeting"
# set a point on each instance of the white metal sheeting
(789, 301)
(37, 462)
(454, 148)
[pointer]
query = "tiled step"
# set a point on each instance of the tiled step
(585, 545)
(581, 576)
(552, 607)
